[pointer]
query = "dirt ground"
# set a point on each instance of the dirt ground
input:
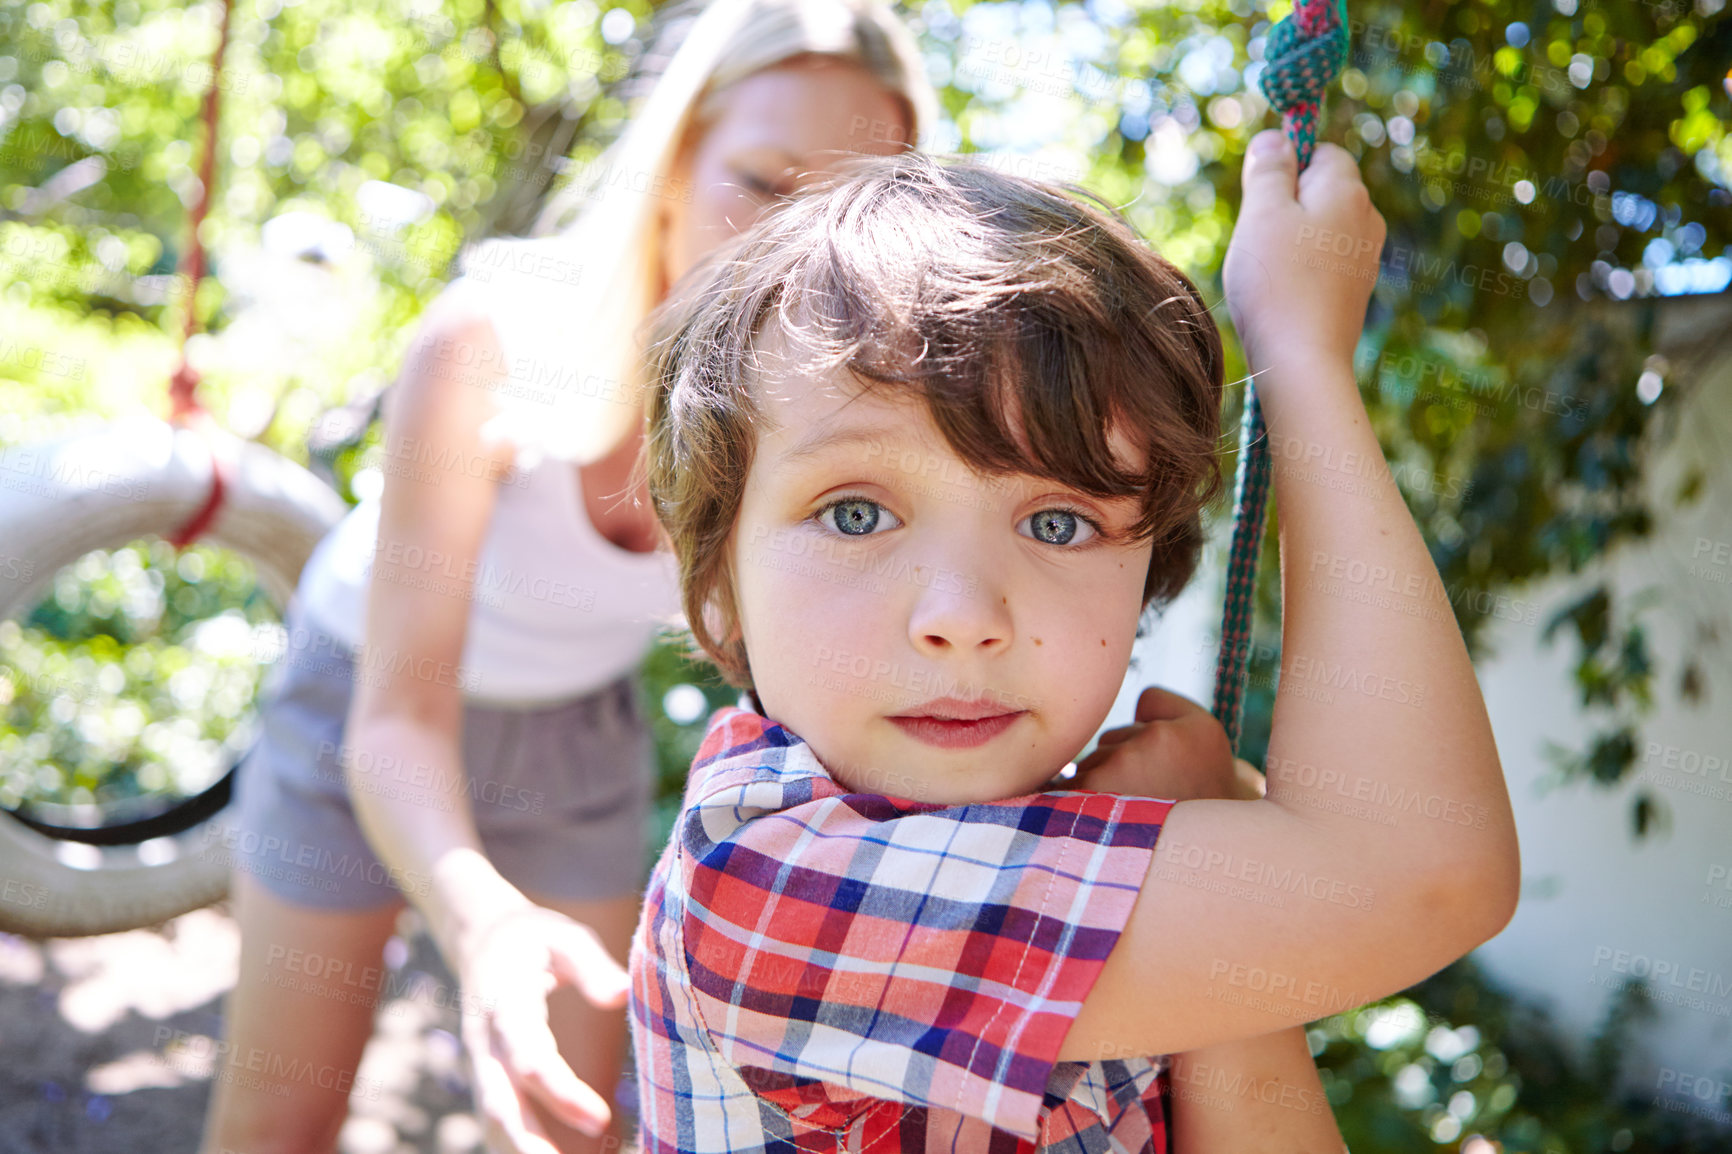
(101, 1041)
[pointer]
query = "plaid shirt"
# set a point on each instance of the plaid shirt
(820, 970)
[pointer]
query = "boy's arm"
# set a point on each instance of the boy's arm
(1385, 848)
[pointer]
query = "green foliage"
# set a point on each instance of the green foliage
(1455, 1064)
(1541, 169)
(133, 679)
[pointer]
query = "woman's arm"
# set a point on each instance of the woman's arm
(408, 706)
(407, 714)
(1260, 1095)
(1385, 848)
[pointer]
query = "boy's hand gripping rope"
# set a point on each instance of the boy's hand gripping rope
(1305, 52)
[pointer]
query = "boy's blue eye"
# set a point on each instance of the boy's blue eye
(1057, 526)
(861, 517)
(1054, 526)
(856, 516)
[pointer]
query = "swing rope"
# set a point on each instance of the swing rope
(1305, 52)
(184, 407)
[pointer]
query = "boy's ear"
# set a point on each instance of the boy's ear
(717, 623)
(722, 610)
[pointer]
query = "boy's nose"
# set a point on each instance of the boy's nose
(958, 613)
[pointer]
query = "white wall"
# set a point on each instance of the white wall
(1599, 906)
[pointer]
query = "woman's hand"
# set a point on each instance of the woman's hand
(1175, 749)
(1305, 254)
(510, 966)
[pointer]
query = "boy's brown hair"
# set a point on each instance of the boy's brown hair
(991, 298)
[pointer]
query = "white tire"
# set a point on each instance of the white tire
(99, 490)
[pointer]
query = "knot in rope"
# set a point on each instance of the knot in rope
(1305, 52)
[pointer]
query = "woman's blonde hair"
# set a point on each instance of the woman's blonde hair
(613, 235)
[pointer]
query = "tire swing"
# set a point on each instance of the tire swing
(181, 479)
(1306, 51)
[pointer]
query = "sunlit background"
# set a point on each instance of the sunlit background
(1556, 181)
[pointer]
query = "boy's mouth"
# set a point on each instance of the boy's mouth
(950, 723)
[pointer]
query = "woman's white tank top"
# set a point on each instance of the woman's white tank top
(556, 609)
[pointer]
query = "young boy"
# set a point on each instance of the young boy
(927, 445)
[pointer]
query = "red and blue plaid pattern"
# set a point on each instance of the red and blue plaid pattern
(820, 970)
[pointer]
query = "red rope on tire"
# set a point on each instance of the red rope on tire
(184, 407)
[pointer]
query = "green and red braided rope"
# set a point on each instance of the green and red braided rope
(1305, 52)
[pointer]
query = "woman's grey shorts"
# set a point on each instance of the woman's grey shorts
(561, 794)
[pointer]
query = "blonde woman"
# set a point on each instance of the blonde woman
(454, 723)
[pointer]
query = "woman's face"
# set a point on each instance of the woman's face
(778, 130)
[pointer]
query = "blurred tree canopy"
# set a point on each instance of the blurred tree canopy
(1551, 171)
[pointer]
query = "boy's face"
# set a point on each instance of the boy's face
(877, 573)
